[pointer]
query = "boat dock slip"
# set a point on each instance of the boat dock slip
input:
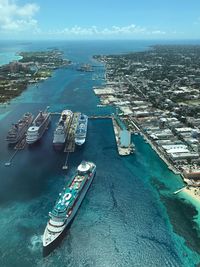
(122, 136)
(178, 191)
(70, 143)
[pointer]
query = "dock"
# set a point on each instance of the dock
(70, 143)
(100, 117)
(70, 140)
(21, 144)
(55, 113)
(65, 166)
(179, 190)
(123, 151)
(8, 163)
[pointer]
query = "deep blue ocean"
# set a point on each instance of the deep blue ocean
(129, 217)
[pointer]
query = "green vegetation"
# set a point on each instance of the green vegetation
(32, 68)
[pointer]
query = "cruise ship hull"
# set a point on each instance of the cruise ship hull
(81, 131)
(79, 141)
(31, 139)
(49, 247)
(61, 132)
(58, 146)
(18, 136)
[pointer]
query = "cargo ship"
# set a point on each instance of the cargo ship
(81, 130)
(68, 203)
(61, 131)
(19, 129)
(38, 127)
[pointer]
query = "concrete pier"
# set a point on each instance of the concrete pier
(70, 142)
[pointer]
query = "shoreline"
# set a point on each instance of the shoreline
(29, 68)
(193, 194)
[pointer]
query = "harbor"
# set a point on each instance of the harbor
(122, 136)
(32, 183)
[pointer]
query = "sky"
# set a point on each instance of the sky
(99, 19)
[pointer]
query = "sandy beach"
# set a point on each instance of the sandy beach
(192, 192)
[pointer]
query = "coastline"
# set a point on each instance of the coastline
(130, 230)
(30, 68)
(192, 193)
(10, 57)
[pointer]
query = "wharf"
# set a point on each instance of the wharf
(179, 190)
(100, 117)
(70, 143)
(123, 151)
(55, 113)
(21, 144)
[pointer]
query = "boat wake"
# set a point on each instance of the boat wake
(35, 243)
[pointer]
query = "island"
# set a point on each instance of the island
(33, 67)
(157, 94)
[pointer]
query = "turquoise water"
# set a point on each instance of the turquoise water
(129, 216)
(8, 57)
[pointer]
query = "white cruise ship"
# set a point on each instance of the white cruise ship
(81, 130)
(38, 127)
(60, 133)
(67, 204)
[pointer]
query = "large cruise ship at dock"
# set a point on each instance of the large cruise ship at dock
(68, 203)
(19, 129)
(81, 130)
(38, 127)
(60, 133)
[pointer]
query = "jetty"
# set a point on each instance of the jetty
(21, 144)
(179, 190)
(70, 143)
(65, 166)
(8, 163)
(100, 117)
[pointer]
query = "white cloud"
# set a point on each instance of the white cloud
(158, 32)
(128, 31)
(15, 18)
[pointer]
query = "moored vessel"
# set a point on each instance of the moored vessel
(68, 203)
(81, 130)
(38, 127)
(19, 129)
(85, 68)
(61, 131)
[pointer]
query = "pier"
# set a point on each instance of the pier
(19, 146)
(65, 166)
(70, 140)
(179, 190)
(119, 129)
(8, 163)
(55, 113)
(70, 143)
(100, 117)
